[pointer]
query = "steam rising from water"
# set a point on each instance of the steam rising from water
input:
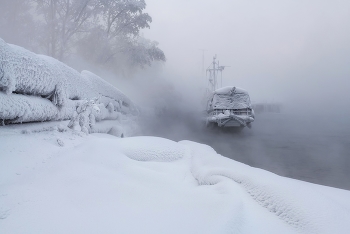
(308, 144)
(294, 52)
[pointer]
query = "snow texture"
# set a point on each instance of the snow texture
(30, 81)
(152, 149)
(24, 72)
(107, 93)
(229, 90)
(65, 182)
(230, 98)
(303, 206)
(18, 108)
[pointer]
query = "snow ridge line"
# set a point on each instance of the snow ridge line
(261, 194)
(267, 199)
(152, 149)
(236, 222)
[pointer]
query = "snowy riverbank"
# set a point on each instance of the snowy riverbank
(60, 179)
(67, 182)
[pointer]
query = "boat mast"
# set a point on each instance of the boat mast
(213, 74)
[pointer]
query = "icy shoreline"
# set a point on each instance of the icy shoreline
(67, 177)
(59, 182)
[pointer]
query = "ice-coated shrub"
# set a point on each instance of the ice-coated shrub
(40, 88)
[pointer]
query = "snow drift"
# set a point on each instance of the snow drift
(40, 88)
(62, 182)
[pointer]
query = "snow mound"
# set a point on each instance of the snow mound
(152, 149)
(63, 182)
(40, 88)
(18, 108)
(27, 73)
(302, 206)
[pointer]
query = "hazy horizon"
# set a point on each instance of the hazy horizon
(280, 51)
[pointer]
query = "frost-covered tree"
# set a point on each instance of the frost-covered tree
(120, 52)
(17, 24)
(64, 22)
(111, 26)
(123, 17)
(143, 52)
(106, 32)
(116, 39)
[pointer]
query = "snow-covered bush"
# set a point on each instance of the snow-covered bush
(85, 116)
(40, 88)
(27, 73)
(18, 108)
(107, 93)
(110, 107)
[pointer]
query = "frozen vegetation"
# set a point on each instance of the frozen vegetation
(40, 88)
(56, 178)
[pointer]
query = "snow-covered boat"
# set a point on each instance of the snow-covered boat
(229, 107)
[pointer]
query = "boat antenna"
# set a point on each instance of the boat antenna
(213, 71)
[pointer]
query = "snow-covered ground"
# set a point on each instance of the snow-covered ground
(57, 180)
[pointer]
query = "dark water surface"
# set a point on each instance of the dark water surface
(313, 149)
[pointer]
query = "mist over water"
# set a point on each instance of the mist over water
(296, 53)
(293, 52)
(312, 146)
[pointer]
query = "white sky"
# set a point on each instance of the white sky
(274, 47)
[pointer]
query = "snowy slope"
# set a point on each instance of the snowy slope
(41, 88)
(62, 181)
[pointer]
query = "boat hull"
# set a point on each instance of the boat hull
(230, 121)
